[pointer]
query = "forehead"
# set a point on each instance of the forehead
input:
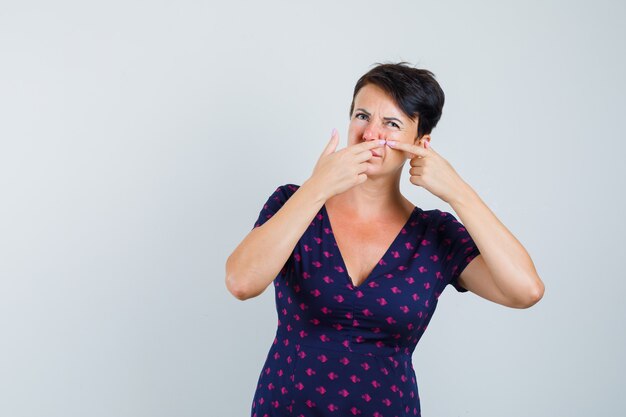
(374, 99)
(373, 94)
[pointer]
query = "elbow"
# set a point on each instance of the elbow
(237, 289)
(234, 285)
(241, 284)
(533, 296)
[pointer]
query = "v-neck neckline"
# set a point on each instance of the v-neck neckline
(377, 265)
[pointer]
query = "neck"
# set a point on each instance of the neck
(376, 198)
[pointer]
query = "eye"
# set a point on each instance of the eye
(361, 114)
(395, 124)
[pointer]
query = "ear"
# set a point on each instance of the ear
(422, 140)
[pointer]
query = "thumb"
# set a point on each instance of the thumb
(332, 144)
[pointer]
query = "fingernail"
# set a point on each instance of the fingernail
(381, 141)
(426, 144)
(333, 132)
(391, 143)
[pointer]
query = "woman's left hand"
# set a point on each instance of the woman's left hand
(431, 171)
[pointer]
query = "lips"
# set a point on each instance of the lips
(375, 154)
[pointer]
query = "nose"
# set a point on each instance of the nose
(372, 132)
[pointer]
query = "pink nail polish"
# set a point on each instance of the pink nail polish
(391, 143)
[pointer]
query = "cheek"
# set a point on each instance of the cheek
(356, 131)
(399, 136)
(356, 126)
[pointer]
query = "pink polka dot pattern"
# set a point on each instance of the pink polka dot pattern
(346, 350)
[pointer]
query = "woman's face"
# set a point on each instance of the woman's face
(376, 116)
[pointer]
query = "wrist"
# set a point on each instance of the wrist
(316, 191)
(463, 196)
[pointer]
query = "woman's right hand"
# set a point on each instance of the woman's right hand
(336, 172)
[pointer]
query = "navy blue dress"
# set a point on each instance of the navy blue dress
(346, 350)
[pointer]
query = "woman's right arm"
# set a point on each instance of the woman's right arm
(260, 256)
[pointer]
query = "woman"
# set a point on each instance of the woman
(358, 269)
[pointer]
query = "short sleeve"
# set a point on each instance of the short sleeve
(274, 203)
(457, 247)
(271, 207)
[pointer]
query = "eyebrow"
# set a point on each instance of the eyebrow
(385, 118)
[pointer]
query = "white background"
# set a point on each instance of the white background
(140, 139)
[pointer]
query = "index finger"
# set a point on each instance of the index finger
(408, 147)
(369, 144)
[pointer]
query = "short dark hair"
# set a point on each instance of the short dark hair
(414, 90)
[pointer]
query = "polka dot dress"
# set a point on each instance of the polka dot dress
(346, 350)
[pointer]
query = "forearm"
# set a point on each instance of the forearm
(260, 256)
(508, 262)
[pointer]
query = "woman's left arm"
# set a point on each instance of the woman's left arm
(503, 272)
